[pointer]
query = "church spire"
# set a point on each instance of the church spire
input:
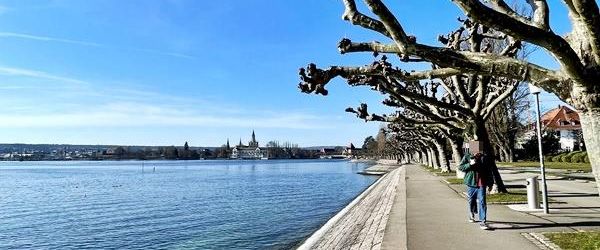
(228, 147)
(253, 142)
(241, 143)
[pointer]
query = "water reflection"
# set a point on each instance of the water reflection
(192, 204)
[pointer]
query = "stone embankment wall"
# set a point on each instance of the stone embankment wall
(361, 225)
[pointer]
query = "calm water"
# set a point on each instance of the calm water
(179, 205)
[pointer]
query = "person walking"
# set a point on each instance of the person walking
(478, 177)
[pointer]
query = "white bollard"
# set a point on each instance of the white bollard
(532, 193)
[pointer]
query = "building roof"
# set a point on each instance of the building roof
(562, 117)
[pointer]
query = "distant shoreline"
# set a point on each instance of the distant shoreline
(157, 160)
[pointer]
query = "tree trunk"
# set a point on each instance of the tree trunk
(435, 157)
(511, 155)
(488, 148)
(429, 157)
(503, 153)
(441, 155)
(455, 145)
(590, 124)
(499, 155)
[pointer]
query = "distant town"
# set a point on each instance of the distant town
(251, 150)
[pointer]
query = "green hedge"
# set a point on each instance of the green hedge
(557, 158)
(578, 157)
(569, 157)
(586, 159)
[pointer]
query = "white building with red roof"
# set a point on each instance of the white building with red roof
(565, 122)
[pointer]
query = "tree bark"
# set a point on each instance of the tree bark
(429, 157)
(590, 123)
(503, 153)
(435, 163)
(435, 157)
(441, 155)
(457, 155)
(488, 148)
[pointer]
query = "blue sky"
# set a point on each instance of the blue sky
(163, 72)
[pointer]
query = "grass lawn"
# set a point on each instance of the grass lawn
(445, 173)
(430, 169)
(576, 240)
(516, 196)
(586, 167)
(455, 180)
(438, 172)
(512, 196)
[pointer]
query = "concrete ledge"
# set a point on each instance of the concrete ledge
(362, 224)
(316, 236)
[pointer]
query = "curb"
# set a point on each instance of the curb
(541, 241)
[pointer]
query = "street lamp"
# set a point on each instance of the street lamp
(536, 91)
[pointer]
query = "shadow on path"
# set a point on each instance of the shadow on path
(560, 194)
(513, 225)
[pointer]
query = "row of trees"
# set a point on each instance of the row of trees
(274, 150)
(150, 153)
(476, 79)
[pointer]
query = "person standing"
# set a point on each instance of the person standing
(478, 177)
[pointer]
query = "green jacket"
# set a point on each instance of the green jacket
(470, 170)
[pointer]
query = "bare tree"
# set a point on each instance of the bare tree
(505, 123)
(578, 54)
(453, 102)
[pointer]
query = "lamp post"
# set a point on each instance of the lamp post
(536, 91)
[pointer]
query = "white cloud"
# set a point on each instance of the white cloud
(91, 44)
(145, 115)
(87, 104)
(48, 39)
(38, 74)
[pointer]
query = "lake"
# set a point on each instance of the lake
(272, 204)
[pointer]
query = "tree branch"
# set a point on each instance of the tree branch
(474, 63)
(588, 16)
(352, 14)
(502, 7)
(540, 17)
(558, 46)
(492, 105)
(391, 25)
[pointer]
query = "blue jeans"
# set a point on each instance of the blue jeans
(475, 194)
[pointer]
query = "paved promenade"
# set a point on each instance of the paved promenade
(412, 209)
(437, 218)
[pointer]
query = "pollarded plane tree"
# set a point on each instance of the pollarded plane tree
(411, 133)
(578, 53)
(408, 126)
(465, 99)
(414, 145)
(439, 120)
(407, 150)
(431, 139)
